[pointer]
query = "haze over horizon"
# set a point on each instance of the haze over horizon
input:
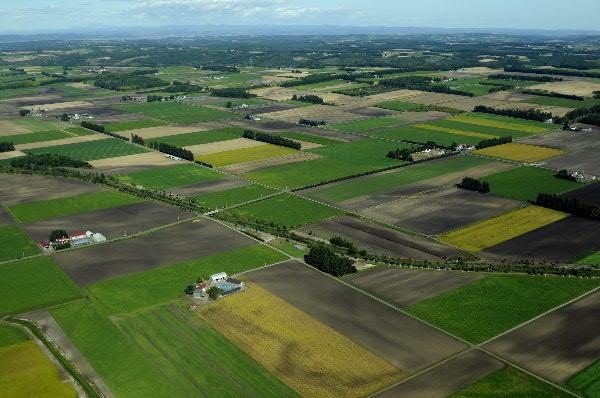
(37, 16)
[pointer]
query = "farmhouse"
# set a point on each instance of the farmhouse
(215, 278)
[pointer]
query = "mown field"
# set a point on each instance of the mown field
(286, 210)
(174, 112)
(524, 183)
(33, 283)
(172, 176)
(15, 243)
(503, 122)
(520, 152)
(404, 176)
(27, 125)
(592, 259)
(92, 150)
(307, 355)
(164, 284)
(233, 196)
(46, 209)
(26, 371)
(498, 229)
(478, 311)
(132, 125)
(587, 381)
(510, 382)
(201, 137)
(338, 160)
(242, 155)
(43, 136)
(200, 361)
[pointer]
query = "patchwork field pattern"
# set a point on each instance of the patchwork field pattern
(174, 112)
(93, 150)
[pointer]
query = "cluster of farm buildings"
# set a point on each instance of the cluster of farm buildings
(75, 239)
(226, 284)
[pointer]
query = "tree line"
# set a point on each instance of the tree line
(47, 160)
(529, 114)
(272, 139)
(568, 205)
(493, 142)
(542, 79)
(309, 98)
(560, 72)
(565, 175)
(127, 81)
(172, 150)
(101, 129)
(589, 115)
(221, 68)
(474, 184)
(554, 94)
(7, 147)
(232, 92)
(312, 122)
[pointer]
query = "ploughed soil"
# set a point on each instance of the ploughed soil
(5, 218)
(16, 189)
(589, 194)
(382, 240)
(183, 242)
(569, 140)
(560, 241)
(112, 223)
(403, 341)
(446, 379)
(406, 287)
(558, 345)
(585, 161)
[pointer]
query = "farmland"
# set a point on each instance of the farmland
(93, 150)
(168, 177)
(477, 311)
(233, 196)
(20, 244)
(201, 137)
(364, 125)
(490, 232)
(42, 210)
(524, 183)
(16, 279)
(306, 354)
(245, 155)
(173, 112)
(132, 125)
(520, 152)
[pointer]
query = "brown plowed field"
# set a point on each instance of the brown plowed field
(185, 241)
(406, 287)
(401, 340)
(208, 187)
(557, 345)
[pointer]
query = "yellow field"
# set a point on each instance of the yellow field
(520, 152)
(498, 229)
(245, 154)
(305, 354)
(501, 125)
(25, 371)
(455, 131)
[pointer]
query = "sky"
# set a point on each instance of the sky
(81, 15)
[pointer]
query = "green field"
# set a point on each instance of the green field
(562, 102)
(16, 244)
(509, 382)
(404, 176)
(524, 183)
(587, 381)
(132, 125)
(478, 311)
(421, 134)
(33, 283)
(316, 139)
(46, 209)
(233, 196)
(286, 210)
(469, 85)
(479, 129)
(42, 136)
(360, 126)
(289, 247)
(10, 335)
(161, 285)
(241, 155)
(592, 259)
(171, 176)
(92, 150)
(33, 125)
(175, 112)
(339, 160)
(201, 137)
(506, 122)
(402, 106)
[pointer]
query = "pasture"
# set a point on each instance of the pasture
(233, 196)
(26, 371)
(510, 382)
(493, 231)
(164, 284)
(10, 335)
(243, 155)
(477, 311)
(42, 136)
(312, 358)
(17, 279)
(520, 152)
(360, 126)
(286, 210)
(201, 137)
(200, 361)
(563, 102)
(169, 177)
(524, 183)
(401, 340)
(46, 209)
(587, 381)
(92, 150)
(174, 112)
(16, 244)
(132, 125)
